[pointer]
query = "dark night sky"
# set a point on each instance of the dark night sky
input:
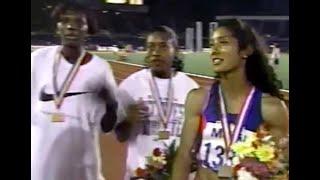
(184, 11)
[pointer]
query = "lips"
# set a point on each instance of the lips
(71, 36)
(217, 61)
(155, 60)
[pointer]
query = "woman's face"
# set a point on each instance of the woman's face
(72, 28)
(225, 53)
(160, 52)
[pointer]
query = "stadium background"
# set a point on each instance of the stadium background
(123, 24)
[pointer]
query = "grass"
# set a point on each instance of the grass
(199, 63)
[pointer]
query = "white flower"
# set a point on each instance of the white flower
(235, 160)
(245, 175)
(267, 138)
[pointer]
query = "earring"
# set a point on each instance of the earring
(84, 28)
(244, 56)
(59, 25)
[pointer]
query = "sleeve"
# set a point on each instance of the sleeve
(109, 93)
(120, 94)
(124, 97)
(33, 80)
(110, 82)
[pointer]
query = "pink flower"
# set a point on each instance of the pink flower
(156, 152)
(257, 169)
(141, 172)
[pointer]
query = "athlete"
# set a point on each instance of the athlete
(160, 92)
(72, 100)
(243, 99)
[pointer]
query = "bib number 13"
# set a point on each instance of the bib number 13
(215, 160)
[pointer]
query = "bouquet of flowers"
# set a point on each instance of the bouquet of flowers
(260, 158)
(159, 164)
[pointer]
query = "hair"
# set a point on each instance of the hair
(62, 8)
(177, 62)
(258, 71)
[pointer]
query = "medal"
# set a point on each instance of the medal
(57, 117)
(164, 114)
(225, 172)
(163, 135)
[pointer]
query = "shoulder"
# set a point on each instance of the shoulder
(40, 56)
(100, 62)
(135, 77)
(196, 98)
(199, 93)
(182, 77)
(273, 110)
(139, 74)
(43, 51)
(269, 100)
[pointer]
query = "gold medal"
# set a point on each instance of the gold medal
(225, 172)
(57, 117)
(164, 135)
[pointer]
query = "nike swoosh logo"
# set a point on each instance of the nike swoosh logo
(49, 97)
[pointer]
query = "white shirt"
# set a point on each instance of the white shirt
(67, 150)
(143, 142)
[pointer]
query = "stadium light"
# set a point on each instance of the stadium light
(116, 1)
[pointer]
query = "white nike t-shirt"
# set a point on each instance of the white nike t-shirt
(67, 150)
(143, 141)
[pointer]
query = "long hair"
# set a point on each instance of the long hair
(177, 62)
(258, 71)
(62, 8)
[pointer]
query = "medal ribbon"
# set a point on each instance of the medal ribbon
(165, 115)
(59, 95)
(231, 137)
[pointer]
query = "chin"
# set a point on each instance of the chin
(71, 43)
(219, 70)
(156, 69)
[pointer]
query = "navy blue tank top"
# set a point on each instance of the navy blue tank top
(253, 118)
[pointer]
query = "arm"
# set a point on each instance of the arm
(276, 117)
(110, 117)
(194, 103)
(35, 63)
(131, 110)
(109, 95)
(33, 81)
(123, 129)
(133, 113)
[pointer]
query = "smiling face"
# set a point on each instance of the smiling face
(72, 28)
(225, 53)
(160, 52)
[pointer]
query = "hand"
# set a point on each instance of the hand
(136, 112)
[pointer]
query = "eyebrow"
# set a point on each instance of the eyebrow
(221, 37)
(160, 42)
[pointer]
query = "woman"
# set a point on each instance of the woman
(160, 91)
(242, 99)
(72, 100)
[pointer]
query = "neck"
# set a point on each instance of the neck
(162, 74)
(235, 83)
(71, 53)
